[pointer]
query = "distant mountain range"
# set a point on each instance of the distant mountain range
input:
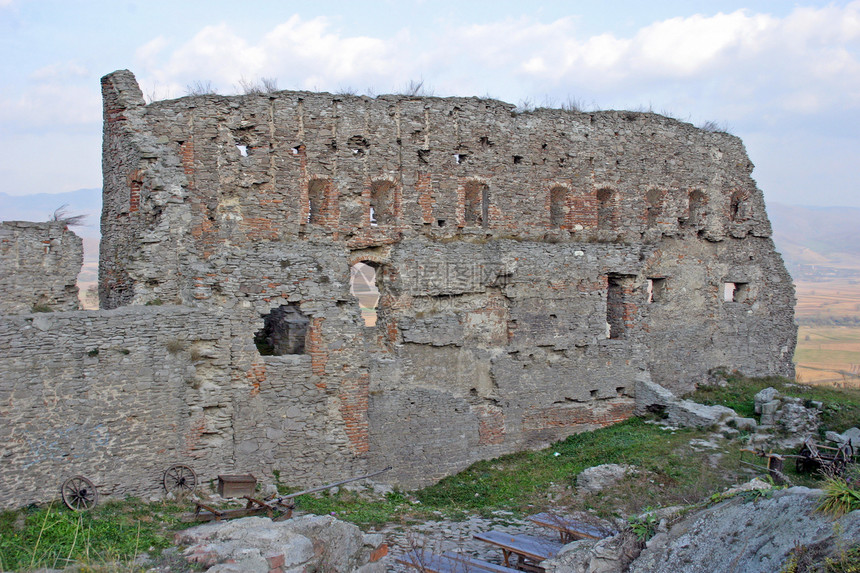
(41, 207)
(817, 243)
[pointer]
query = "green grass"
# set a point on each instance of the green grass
(54, 536)
(520, 483)
(669, 472)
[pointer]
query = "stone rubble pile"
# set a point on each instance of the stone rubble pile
(789, 414)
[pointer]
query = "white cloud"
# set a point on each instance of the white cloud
(302, 54)
(54, 106)
(805, 62)
(681, 47)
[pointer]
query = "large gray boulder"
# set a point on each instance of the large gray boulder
(651, 397)
(851, 435)
(610, 555)
(258, 544)
(600, 477)
(750, 536)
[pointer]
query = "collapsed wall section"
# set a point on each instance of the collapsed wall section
(39, 266)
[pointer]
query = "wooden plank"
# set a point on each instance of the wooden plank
(223, 514)
(428, 562)
(532, 548)
(478, 565)
(573, 528)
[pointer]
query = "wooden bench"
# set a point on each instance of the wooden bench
(529, 550)
(570, 529)
(429, 562)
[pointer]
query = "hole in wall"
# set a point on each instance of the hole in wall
(316, 200)
(656, 289)
(735, 292)
(557, 206)
(620, 309)
(284, 331)
(593, 393)
(518, 159)
(605, 209)
(381, 203)
(440, 222)
(477, 203)
(362, 285)
(619, 391)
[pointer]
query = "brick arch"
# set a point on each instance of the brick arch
(371, 257)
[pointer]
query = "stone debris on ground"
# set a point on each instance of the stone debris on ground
(598, 478)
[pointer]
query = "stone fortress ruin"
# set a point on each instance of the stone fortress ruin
(531, 268)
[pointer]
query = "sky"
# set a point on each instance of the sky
(783, 76)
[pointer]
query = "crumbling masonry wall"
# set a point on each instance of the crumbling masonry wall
(531, 268)
(40, 263)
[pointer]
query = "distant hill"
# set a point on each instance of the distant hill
(817, 242)
(41, 207)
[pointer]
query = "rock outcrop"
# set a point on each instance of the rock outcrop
(260, 545)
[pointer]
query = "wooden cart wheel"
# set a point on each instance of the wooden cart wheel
(79, 493)
(179, 479)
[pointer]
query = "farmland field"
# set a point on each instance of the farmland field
(828, 341)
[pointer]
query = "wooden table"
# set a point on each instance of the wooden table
(529, 550)
(570, 529)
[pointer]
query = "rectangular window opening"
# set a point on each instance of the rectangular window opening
(557, 206)
(477, 204)
(382, 203)
(656, 289)
(620, 306)
(316, 200)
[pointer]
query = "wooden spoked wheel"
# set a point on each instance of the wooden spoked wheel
(179, 479)
(79, 493)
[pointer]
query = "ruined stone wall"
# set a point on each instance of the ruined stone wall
(120, 395)
(531, 266)
(39, 266)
